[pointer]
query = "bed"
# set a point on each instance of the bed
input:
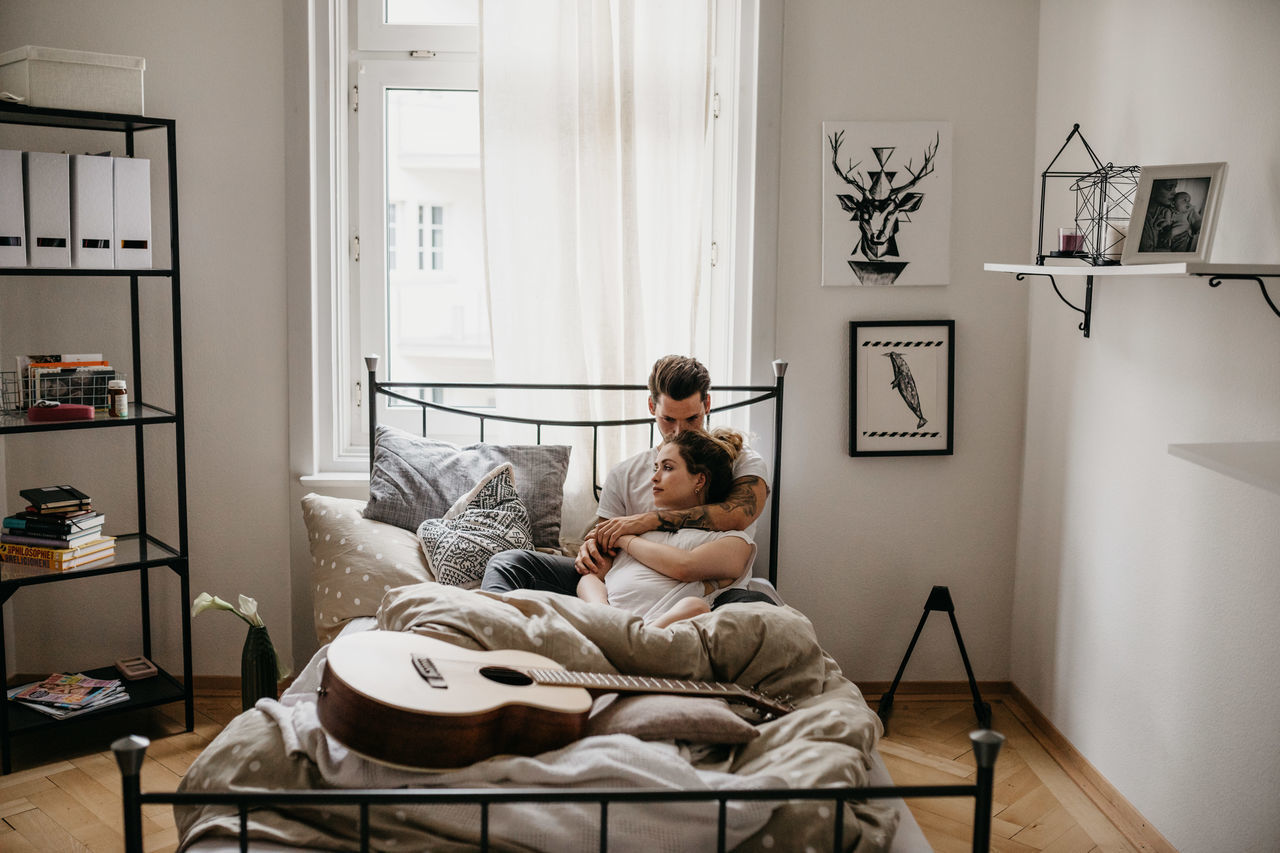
(649, 772)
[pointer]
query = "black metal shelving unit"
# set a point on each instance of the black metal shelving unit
(139, 552)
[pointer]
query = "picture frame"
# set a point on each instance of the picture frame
(1175, 213)
(901, 387)
(886, 203)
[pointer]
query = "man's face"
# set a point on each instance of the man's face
(677, 416)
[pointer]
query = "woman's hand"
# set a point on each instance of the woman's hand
(592, 559)
(608, 531)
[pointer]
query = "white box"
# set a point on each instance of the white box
(73, 79)
(132, 200)
(92, 212)
(48, 183)
(13, 225)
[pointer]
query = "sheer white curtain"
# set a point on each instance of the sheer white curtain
(595, 136)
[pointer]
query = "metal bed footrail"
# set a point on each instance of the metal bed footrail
(131, 751)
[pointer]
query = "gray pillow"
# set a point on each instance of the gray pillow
(416, 478)
(488, 519)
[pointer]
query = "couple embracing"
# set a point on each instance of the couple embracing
(673, 537)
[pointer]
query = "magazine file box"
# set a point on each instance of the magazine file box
(92, 212)
(13, 226)
(132, 212)
(48, 209)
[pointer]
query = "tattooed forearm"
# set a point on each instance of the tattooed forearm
(671, 520)
(736, 512)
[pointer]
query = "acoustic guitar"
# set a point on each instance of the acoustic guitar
(409, 700)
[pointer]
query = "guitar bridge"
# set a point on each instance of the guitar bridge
(428, 671)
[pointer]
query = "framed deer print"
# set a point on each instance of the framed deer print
(886, 203)
(901, 387)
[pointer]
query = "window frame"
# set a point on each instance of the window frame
(346, 44)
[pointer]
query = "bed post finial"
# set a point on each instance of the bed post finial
(371, 362)
(130, 751)
(986, 747)
(779, 368)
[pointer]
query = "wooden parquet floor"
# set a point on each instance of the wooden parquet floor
(64, 794)
(1037, 805)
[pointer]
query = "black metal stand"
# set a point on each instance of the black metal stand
(939, 599)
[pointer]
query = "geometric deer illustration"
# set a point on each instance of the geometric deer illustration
(879, 208)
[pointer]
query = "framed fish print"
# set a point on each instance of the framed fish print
(901, 387)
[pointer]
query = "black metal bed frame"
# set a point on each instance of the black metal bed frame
(131, 751)
(394, 391)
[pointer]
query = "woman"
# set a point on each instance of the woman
(665, 577)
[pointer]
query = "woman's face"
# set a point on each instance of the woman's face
(673, 486)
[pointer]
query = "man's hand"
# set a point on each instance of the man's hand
(609, 531)
(593, 559)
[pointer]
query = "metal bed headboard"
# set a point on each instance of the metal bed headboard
(761, 393)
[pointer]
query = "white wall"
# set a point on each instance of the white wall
(1144, 623)
(864, 540)
(217, 69)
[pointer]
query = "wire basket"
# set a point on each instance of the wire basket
(10, 393)
(84, 386)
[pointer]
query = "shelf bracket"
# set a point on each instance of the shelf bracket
(1216, 280)
(1087, 310)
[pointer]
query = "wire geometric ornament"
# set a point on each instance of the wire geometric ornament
(1104, 204)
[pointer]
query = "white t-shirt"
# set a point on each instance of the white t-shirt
(628, 489)
(646, 592)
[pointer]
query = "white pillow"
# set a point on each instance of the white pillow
(488, 519)
(355, 560)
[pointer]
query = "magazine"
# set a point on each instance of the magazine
(62, 713)
(68, 691)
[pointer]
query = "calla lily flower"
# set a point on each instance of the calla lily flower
(248, 611)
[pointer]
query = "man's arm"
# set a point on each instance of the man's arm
(738, 511)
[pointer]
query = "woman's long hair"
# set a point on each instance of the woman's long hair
(711, 454)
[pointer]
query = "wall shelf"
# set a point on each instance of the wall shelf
(1216, 273)
(1253, 462)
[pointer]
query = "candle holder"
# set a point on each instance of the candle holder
(1103, 203)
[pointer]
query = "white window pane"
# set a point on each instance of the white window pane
(437, 317)
(441, 12)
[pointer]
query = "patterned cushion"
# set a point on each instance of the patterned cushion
(415, 478)
(488, 519)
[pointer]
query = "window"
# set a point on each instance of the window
(391, 237)
(403, 148)
(437, 238)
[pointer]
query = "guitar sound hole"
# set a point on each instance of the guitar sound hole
(502, 675)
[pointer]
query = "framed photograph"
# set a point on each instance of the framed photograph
(1174, 213)
(901, 387)
(886, 203)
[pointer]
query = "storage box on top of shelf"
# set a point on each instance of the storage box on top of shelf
(73, 79)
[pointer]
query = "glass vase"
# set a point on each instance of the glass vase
(258, 670)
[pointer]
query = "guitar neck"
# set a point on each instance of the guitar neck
(598, 682)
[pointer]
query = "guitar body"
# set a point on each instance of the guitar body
(375, 699)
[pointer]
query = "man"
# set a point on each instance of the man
(679, 400)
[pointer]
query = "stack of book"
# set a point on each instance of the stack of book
(62, 695)
(58, 530)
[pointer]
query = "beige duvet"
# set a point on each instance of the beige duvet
(825, 742)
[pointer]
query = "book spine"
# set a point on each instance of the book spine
(59, 544)
(52, 528)
(46, 561)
